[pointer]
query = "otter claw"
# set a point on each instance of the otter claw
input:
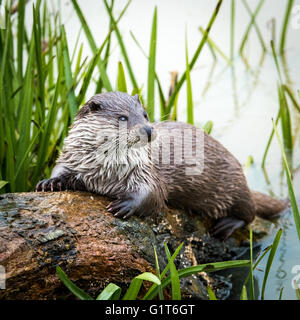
(224, 227)
(121, 209)
(130, 213)
(115, 206)
(121, 212)
(52, 184)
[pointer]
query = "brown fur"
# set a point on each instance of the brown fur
(221, 191)
(142, 184)
(268, 207)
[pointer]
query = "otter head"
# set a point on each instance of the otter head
(110, 129)
(119, 112)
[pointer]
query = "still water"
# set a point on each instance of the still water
(240, 99)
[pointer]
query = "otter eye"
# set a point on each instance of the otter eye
(123, 118)
(146, 116)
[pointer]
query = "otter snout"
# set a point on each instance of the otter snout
(141, 135)
(149, 132)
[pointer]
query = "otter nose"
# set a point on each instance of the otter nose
(149, 131)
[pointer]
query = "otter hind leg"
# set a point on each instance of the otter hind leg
(224, 227)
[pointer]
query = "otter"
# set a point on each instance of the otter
(112, 149)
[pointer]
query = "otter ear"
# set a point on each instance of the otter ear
(137, 98)
(94, 106)
(87, 108)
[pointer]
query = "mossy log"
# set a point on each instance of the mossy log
(39, 231)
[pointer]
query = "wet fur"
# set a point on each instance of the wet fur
(141, 185)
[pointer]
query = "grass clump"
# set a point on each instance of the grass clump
(160, 280)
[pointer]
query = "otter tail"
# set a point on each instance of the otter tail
(268, 207)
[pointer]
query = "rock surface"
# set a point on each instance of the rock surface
(39, 231)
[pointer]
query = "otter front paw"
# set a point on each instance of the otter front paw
(52, 184)
(122, 208)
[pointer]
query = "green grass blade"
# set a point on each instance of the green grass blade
(133, 289)
(280, 294)
(162, 99)
(111, 292)
(93, 46)
(269, 141)
(148, 276)
(160, 91)
(7, 41)
(244, 293)
(122, 86)
(287, 15)
(210, 46)
(208, 127)
(76, 45)
(257, 263)
(151, 69)
(7, 123)
(232, 25)
(251, 287)
(138, 44)
(136, 284)
(211, 267)
(195, 57)
(122, 46)
(189, 94)
(49, 126)
(25, 156)
(270, 260)
(215, 48)
(88, 76)
(208, 267)
(283, 114)
(3, 183)
(78, 64)
(297, 290)
(160, 292)
(154, 287)
(252, 23)
(249, 162)
(290, 185)
(286, 125)
(24, 119)
(40, 101)
(107, 49)
(291, 95)
(175, 283)
(20, 39)
(51, 45)
(174, 114)
(71, 286)
(211, 294)
(276, 61)
(73, 107)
